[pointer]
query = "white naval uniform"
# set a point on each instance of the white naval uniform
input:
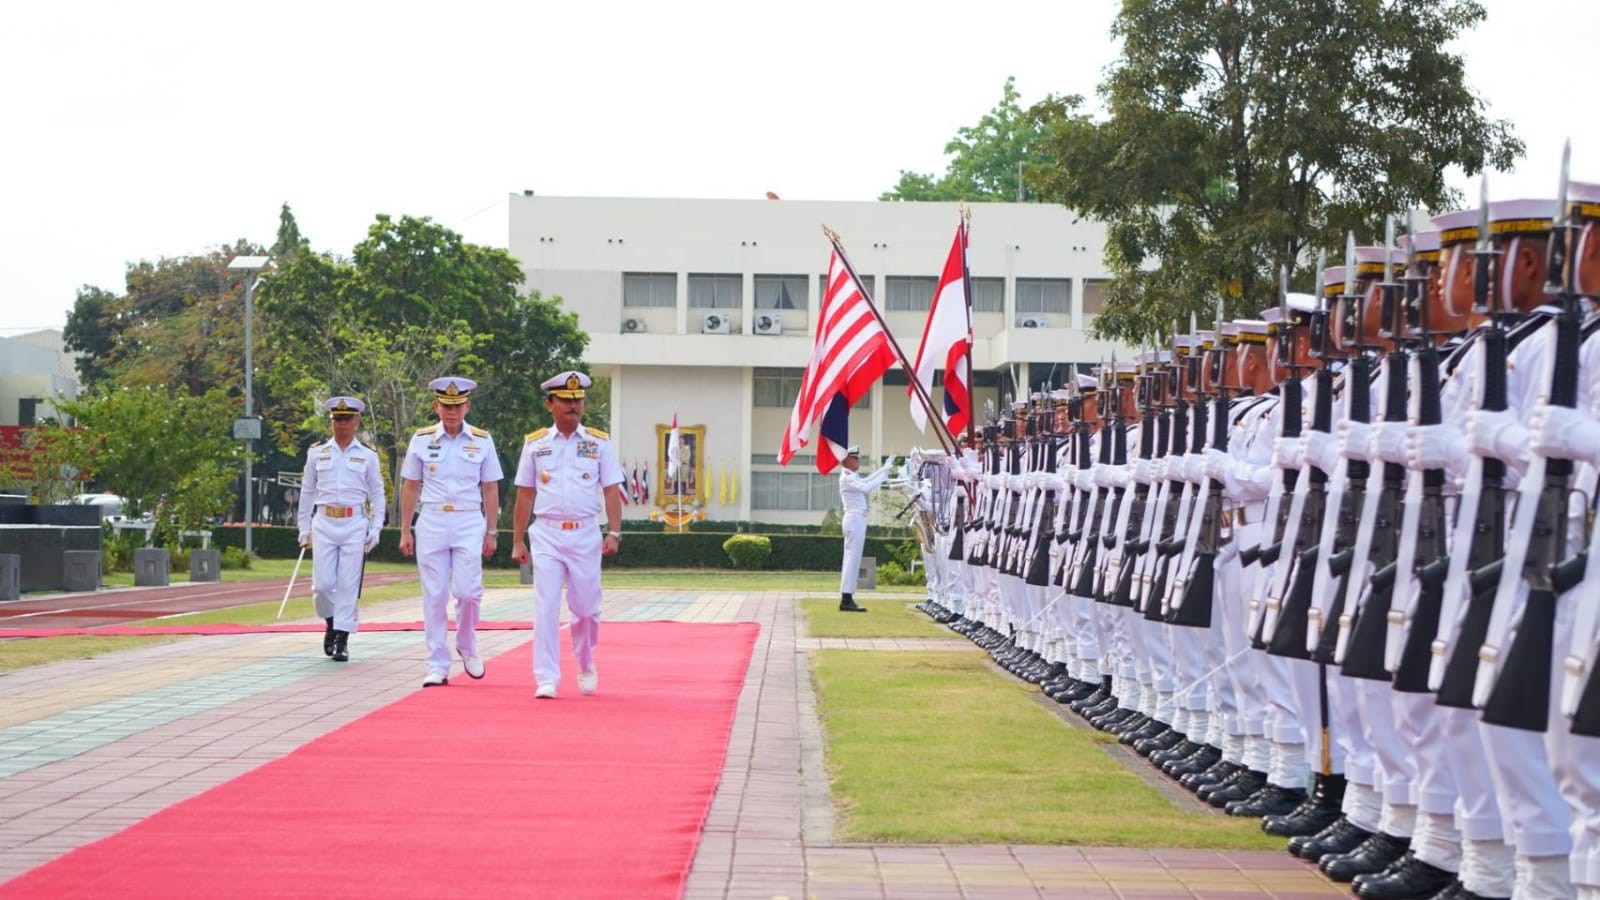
(341, 509)
(568, 474)
(449, 531)
(853, 491)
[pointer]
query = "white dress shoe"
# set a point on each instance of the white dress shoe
(545, 692)
(435, 679)
(588, 681)
(473, 664)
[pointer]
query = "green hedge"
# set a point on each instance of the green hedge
(652, 549)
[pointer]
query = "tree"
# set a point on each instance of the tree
(988, 159)
(1241, 135)
(289, 242)
(166, 453)
(89, 333)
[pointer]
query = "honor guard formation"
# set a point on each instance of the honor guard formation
(1328, 567)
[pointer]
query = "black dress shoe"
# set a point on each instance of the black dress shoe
(1374, 855)
(341, 646)
(1248, 782)
(1340, 837)
(1319, 810)
(1269, 801)
(1183, 749)
(1452, 891)
(1148, 730)
(1207, 790)
(1193, 776)
(1129, 725)
(1163, 740)
(1408, 878)
(848, 604)
(327, 638)
(1112, 719)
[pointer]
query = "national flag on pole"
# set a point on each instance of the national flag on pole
(851, 351)
(835, 434)
(672, 451)
(947, 342)
(644, 483)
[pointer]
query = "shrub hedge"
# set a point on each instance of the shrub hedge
(654, 549)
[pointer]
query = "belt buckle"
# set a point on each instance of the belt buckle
(569, 526)
(448, 507)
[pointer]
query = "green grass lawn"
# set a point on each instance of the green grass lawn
(936, 747)
(885, 618)
(259, 570)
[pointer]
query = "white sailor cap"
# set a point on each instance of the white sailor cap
(1583, 200)
(341, 407)
(452, 390)
(1333, 280)
(1087, 383)
(568, 385)
(1252, 331)
(1369, 261)
(1457, 227)
(852, 450)
(1422, 243)
(1513, 217)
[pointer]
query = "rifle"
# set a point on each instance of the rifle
(1080, 576)
(1277, 513)
(1043, 538)
(1194, 590)
(1515, 692)
(1365, 628)
(1122, 569)
(1114, 519)
(1160, 525)
(1190, 441)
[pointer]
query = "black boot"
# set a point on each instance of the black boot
(327, 638)
(1340, 837)
(341, 646)
(1246, 784)
(847, 603)
(1409, 877)
(1374, 855)
(1269, 801)
(1319, 810)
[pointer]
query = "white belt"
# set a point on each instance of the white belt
(452, 507)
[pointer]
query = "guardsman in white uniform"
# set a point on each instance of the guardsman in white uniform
(452, 477)
(854, 488)
(564, 476)
(341, 514)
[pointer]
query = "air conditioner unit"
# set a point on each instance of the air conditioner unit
(767, 323)
(1032, 322)
(632, 325)
(716, 323)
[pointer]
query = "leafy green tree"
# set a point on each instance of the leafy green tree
(988, 160)
(1240, 136)
(89, 332)
(168, 454)
(289, 242)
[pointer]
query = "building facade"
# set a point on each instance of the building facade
(35, 370)
(706, 309)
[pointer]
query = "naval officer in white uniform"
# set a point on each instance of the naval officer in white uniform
(341, 516)
(452, 477)
(854, 489)
(564, 477)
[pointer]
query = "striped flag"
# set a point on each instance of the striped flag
(947, 342)
(851, 351)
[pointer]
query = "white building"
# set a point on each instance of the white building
(35, 369)
(706, 309)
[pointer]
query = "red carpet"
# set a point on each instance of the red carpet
(230, 628)
(473, 790)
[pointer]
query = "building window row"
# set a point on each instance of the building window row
(779, 388)
(800, 491)
(641, 290)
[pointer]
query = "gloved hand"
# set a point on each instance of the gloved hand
(1083, 479)
(1437, 447)
(1288, 454)
(1052, 481)
(1565, 433)
(1354, 439)
(1194, 467)
(1158, 469)
(305, 538)
(1497, 434)
(1389, 442)
(1321, 449)
(1218, 465)
(372, 540)
(1143, 470)
(1110, 476)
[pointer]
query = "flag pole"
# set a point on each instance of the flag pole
(966, 358)
(941, 430)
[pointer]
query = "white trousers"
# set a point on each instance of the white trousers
(337, 549)
(570, 558)
(450, 562)
(855, 538)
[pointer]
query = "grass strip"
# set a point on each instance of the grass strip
(885, 618)
(938, 748)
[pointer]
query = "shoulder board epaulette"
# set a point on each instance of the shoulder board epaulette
(535, 435)
(595, 432)
(425, 430)
(477, 432)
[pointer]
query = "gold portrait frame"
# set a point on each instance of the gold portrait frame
(693, 438)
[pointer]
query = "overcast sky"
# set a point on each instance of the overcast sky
(143, 130)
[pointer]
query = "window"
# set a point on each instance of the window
(27, 411)
(805, 491)
(1044, 295)
(649, 289)
(775, 387)
(988, 295)
(908, 293)
(781, 291)
(1094, 296)
(715, 291)
(867, 281)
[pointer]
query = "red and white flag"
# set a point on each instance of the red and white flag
(947, 342)
(851, 351)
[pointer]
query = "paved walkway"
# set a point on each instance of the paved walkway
(88, 747)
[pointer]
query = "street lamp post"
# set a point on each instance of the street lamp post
(248, 428)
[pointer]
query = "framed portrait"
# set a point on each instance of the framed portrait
(691, 474)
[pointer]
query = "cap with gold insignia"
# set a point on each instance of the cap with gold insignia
(853, 450)
(451, 390)
(344, 407)
(568, 385)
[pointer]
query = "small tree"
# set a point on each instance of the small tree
(748, 551)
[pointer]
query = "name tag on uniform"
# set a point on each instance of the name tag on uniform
(588, 450)
(543, 451)
(433, 446)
